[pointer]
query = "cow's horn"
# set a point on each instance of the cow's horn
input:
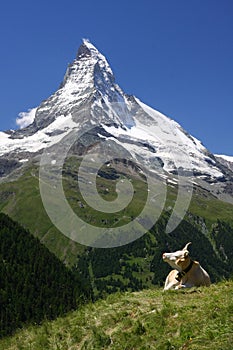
(186, 247)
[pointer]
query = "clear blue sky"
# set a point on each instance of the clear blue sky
(176, 56)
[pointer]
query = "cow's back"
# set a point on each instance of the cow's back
(198, 276)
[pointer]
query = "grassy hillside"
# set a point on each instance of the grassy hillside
(151, 319)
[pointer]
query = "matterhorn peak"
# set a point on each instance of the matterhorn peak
(87, 49)
(88, 64)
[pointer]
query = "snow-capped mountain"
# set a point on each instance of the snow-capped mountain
(89, 99)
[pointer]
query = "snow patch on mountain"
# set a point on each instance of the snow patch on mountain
(164, 139)
(49, 136)
(227, 161)
(227, 158)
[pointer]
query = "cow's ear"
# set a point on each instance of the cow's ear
(186, 253)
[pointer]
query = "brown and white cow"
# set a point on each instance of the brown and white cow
(188, 273)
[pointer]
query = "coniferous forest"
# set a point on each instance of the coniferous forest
(34, 283)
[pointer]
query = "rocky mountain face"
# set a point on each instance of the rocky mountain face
(90, 105)
(225, 160)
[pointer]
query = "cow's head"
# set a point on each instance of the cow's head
(176, 259)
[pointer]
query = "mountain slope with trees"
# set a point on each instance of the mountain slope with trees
(208, 225)
(34, 283)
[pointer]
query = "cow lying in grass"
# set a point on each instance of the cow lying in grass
(187, 273)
